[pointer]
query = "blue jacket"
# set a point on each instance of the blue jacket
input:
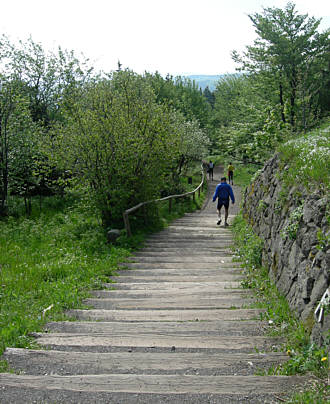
(223, 191)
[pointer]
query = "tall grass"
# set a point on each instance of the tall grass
(49, 261)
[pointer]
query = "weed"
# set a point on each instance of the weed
(292, 227)
(262, 205)
(323, 240)
(4, 367)
(318, 393)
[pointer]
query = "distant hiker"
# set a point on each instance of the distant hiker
(230, 173)
(210, 169)
(223, 191)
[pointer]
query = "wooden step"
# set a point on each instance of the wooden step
(149, 271)
(192, 286)
(172, 292)
(68, 363)
(178, 302)
(158, 384)
(166, 315)
(162, 264)
(175, 278)
(186, 259)
(117, 328)
(159, 340)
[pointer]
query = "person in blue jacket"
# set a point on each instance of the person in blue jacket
(223, 192)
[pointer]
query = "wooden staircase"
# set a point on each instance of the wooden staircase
(175, 328)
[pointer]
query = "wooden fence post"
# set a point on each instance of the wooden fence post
(144, 214)
(127, 225)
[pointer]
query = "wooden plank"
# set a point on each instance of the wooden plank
(161, 384)
(192, 286)
(175, 278)
(166, 315)
(173, 292)
(177, 302)
(41, 362)
(117, 328)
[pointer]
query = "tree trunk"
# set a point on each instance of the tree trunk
(281, 100)
(4, 171)
(293, 84)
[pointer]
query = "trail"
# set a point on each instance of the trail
(176, 328)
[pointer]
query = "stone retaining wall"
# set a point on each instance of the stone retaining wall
(294, 227)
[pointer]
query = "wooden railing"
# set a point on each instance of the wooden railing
(167, 198)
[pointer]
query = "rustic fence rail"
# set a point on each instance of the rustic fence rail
(169, 198)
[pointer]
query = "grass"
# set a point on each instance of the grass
(243, 173)
(304, 357)
(49, 262)
(318, 394)
(307, 159)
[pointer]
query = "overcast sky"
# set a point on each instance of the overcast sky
(172, 36)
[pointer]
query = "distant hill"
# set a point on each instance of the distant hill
(209, 81)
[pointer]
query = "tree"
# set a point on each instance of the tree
(183, 95)
(287, 50)
(209, 96)
(119, 140)
(33, 85)
(47, 77)
(18, 143)
(247, 120)
(193, 145)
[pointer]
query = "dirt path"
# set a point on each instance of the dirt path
(175, 328)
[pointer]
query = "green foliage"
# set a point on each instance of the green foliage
(319, 394)
(32, 83)
(249, 247)
(308, 159)
(49, 261)
(284, 88)
(290, 52)
(310, 358)
(182, 94)
(124, 144)
(261, 205)
(323, 240)
(249, 125)
(244, 173)
(292, 227)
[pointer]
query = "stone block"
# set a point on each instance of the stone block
(113, 235)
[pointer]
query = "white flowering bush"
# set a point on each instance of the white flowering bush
(309, 159)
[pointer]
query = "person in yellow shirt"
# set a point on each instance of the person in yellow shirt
(230, 173)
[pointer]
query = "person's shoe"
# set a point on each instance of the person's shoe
(218, 222)
(226, 224)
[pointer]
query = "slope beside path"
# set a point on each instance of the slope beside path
(176, 327)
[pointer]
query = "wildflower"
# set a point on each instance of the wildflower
(324, 359)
